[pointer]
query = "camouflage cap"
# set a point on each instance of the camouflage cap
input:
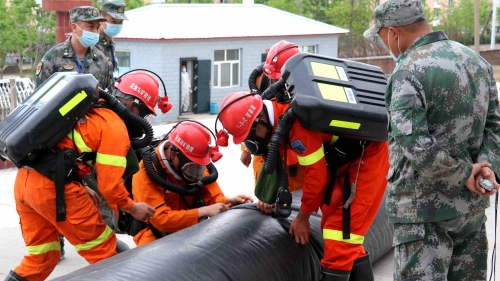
(115, 8)
(85, 13)
(396, 13)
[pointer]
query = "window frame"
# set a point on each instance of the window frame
(232, 63)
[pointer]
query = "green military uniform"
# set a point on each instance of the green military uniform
(108, 49)
(61, 57)
(442, 102)
(116, 9)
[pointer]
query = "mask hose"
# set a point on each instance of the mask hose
(283, 128)
(191, 189)
(253, 78)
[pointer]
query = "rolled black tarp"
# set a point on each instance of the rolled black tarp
(241, 244)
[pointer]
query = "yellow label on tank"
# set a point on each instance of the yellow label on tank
(345, 124)
(324, 70)
(72, 103)
(332, 92)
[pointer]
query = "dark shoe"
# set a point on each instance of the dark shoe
(362, 270)
(334, 275)
(61, 242)
(12, 276)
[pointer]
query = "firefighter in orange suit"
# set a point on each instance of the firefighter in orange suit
(182, 159)
(252, 121)
(100, 131)
(278, 54)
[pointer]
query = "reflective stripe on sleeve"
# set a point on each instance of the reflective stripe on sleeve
(44, 248)
(91, 244)
(336, 235)
(311, 158)
(111, 160)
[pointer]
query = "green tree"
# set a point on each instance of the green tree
(6, 41)
(458, 20)
(339, 14)
(23, 27)
(45, 36)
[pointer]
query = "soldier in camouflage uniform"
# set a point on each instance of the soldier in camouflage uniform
(114, 13)
(78, 52)
(443, 128)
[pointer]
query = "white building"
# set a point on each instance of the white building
(221, 44)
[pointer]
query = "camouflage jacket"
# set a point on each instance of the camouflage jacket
(442, 101)
(61, 58)
(104, 47)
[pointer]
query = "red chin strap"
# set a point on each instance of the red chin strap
(164, 105)
(222, 138)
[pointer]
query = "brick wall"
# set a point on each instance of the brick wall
(387, 63)
(6, 165)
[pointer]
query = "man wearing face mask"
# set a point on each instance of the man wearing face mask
(180, 160)
(443, 129)
(114, 13)
(185, 89)
(78, 53)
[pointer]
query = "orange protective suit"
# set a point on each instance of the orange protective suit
(339, 254)
(101, 131)
(174, 215)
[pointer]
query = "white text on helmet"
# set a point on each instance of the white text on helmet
(184, 144)
(141, 92)
(248, 114)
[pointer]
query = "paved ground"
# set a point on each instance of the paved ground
(231, 174)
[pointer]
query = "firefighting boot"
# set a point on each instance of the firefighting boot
(334, 275)
(362, 269)
(14, 277)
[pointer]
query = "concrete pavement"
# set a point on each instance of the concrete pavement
(232, 174)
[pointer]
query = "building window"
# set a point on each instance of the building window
(311, 49)
(123, 59)
(226, 68)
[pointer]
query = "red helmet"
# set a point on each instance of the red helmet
(140, 85)
(277, 56)
(237, 114)
(193, 140)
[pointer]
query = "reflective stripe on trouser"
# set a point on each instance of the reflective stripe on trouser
(454, 249)
(340, 254)
(35, 204)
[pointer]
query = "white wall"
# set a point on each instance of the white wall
(163, 57)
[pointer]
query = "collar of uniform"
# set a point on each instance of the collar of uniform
(68, 51)
(105, 42)
(424, 40)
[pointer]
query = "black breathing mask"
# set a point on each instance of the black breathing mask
(190, 171)
(257, 145)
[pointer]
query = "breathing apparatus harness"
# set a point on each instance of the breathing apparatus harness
(344, 151)
(60, 165)
(157, 173)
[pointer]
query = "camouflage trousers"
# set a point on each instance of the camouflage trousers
(449, 250)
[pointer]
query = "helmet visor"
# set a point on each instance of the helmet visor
(193, 172)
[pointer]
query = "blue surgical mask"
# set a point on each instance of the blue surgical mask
(88, 38)
(390, 51)
(113, 29)
(183, 70)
